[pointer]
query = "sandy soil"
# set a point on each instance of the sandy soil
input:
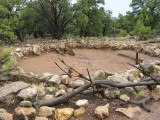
(106, 60)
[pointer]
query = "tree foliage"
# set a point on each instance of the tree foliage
(58, 18)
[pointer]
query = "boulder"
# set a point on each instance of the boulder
(157, 52)
(18, 50)
(79, 112)
(46, 76)
(28, 45)
(18, 54)
(2, 110)
(28, 93)
(65, 79)
(60, 93)
(117, 78)
(157, 62)
(4, 78)
(27, 51)
(130, 111)
(112, 93)
(23, 113)
(51, 89)
(63, 114)
(124, 97)
(45, 111)
(82, 102)
(41, 118)
(55, 79)
(48, 96)
(76, 83)
(156, 93)
(108, 74)
(9, 91)
(63, 87)
(135, 72)
(25, 104)
(148, 67)
(99, 75)
(6, 116)
(102, 112)
(36, 49)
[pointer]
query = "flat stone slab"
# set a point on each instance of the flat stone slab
(12, 88)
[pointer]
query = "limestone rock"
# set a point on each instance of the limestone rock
(28, 45)
(156, 93)
(112, 93)
(79, 112)
(6, 116)
(117, 78)
(41, 118)
(27, 51)
(65, 79)
(135, 72)
(3, 110)
(157, 52)
(124, 97)
(4, 78)
(48, 96)
(18, 54)
(157, 62)
(46, 76)
(28, 93)
(51, 89)
(55, 79)
(99, 75)
(102, 112)
(25, 104)
(63, 114)
(36, 49)
(129, 112)
(63, 87)
(108, 74)
(7, 96)
(22, 113)
(18, 50)
(76, 83)
(45, 111)
(148, 67)
(60, 92)
(82, 102)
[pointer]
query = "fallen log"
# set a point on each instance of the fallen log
(66, 97)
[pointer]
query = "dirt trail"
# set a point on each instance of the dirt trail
(106, 60)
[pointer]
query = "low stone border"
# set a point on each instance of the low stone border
(66, 47)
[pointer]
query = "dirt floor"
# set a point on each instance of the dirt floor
(93, 59)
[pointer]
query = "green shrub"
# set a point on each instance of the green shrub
(6, 60)
(123, 33)
(142, 31)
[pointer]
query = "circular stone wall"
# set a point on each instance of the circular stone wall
(94, 59)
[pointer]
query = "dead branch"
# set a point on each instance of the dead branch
(64, 98)
(144, 72)
(142, 103)
(69, 95)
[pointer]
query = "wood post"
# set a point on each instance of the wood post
(136, 58)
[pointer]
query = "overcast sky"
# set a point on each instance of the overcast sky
(116, 6)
